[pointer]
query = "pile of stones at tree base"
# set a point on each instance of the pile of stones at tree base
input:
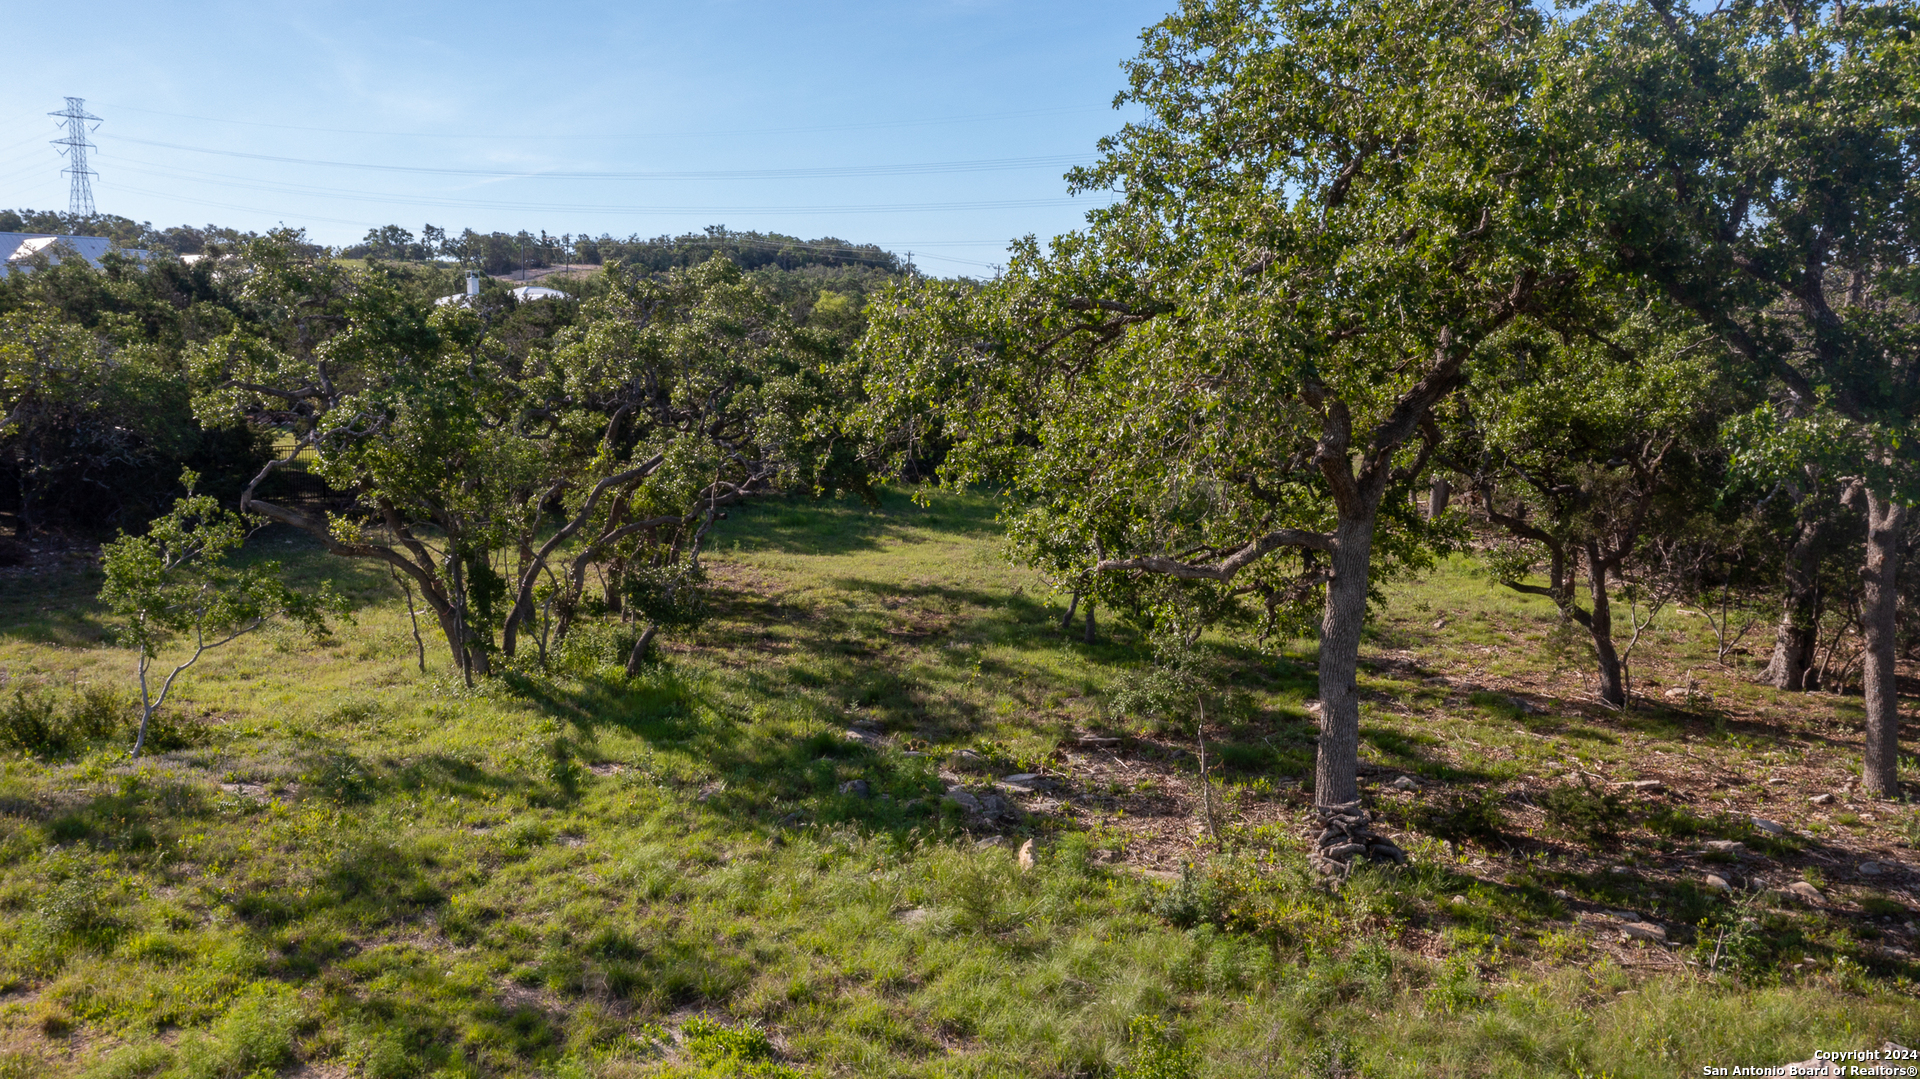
(1346, 839)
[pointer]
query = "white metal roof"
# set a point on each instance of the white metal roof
(19, 247)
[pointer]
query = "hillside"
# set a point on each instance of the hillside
(798, 844)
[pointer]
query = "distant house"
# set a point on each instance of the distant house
(522, 294)
(17, 249)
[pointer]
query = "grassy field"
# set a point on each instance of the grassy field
(748, 862)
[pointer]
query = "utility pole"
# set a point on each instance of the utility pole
(75, 147)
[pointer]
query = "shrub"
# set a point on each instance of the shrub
(75, 905)
(1583, 812)
(99, 713)
(744, 1052)
(29, 721)
(255, 1036)
(1193, 899)
(1456, 985)
(1336, 1059)
(38, 721)
(1732, 941)
(1156, 1054)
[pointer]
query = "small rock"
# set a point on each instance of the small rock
(1624, 916)
(1644, 786)
(1644, 931)
(1871, 869)
(1620, 871)
(1387, 849)
(1771, 827)
(1677, 693)
(1436, 680)
(1562, 893)
(990, 841)
(1718, 883)
(914, 915)
(1726, 846)
(866, 738)
(1821, 799)
(1525, 706)
(961, 797)
(1026, 856)
(1806, 891)
(1405, 783)
(1458, 900)
(1025, 780)
(966, 760)
(859, 788)
(1439, 623)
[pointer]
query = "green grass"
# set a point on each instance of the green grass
(347, 865)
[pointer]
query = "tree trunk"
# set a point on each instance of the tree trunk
(1799, 629)
(522, 608)
(1336, 769)
(1878, 618)
(1090, 635)
(642, 648)
(614, 572)
(1613, 689)
(1066, 620)
(467, 653)
(1438, 494)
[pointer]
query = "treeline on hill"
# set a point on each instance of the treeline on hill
(99, 365)
(123, 231)
(502, 252)
(497, 252)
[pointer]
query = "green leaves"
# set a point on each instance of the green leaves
(1328, 207)
(178, 579)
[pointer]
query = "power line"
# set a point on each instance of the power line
(830, 171)
(598, 136)
(75, 117)
(441, 202)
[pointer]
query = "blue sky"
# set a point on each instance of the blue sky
(940, 127)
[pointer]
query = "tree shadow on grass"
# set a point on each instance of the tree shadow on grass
(762, 776)
(846, 525)
(57, 607)
(1401, 751)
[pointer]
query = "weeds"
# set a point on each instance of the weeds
(1456, 985)
(1155, 1052)
(1582, 812)
(725, 1052)
(1460, 814)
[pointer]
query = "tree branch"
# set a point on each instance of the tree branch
(1226, 568)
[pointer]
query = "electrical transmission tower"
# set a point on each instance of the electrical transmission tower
(75, 146)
